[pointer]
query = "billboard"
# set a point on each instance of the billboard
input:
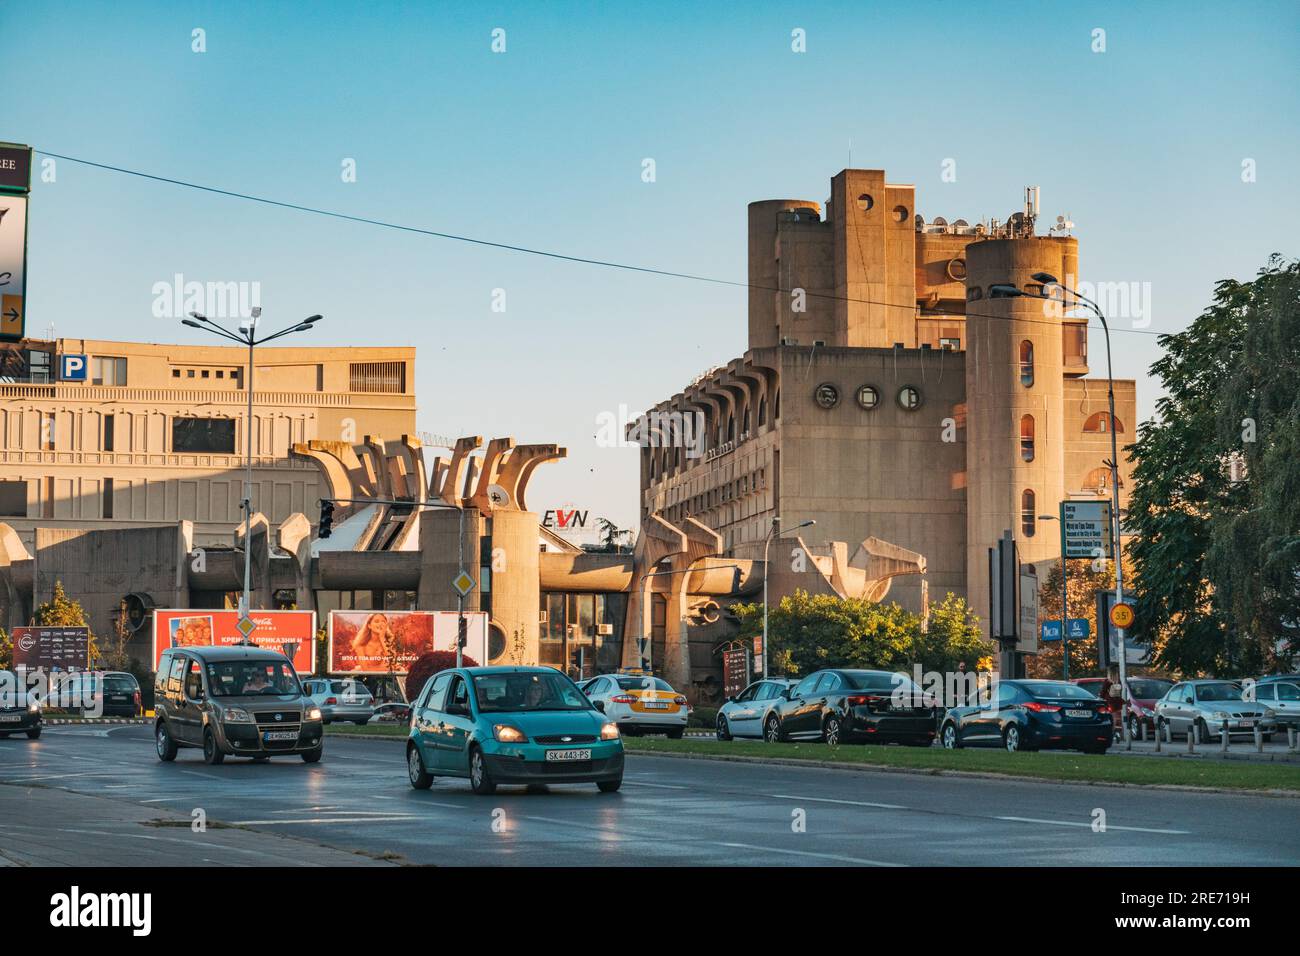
(292, 633)
(53, 648)
(377, 642)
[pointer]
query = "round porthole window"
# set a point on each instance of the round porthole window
(909, 398)
(827, 395)
(957, 269)
(900, 214)
(868, 397)
(865, 202)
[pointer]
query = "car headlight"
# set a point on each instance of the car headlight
(237, 715)
(1269, 713)
(609, 732)
(1220, 715)
(33, 707)
(311, 713)
(509, 735)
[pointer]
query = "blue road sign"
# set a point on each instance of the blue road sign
(1078, 629)
(72, 368)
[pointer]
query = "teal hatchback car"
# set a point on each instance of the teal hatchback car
(510, 725)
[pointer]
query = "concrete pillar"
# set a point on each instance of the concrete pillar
(516, 591)
(439, 564)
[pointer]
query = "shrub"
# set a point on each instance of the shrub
(426, 665)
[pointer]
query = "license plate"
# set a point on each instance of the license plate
(119, 700)
(1078, 713)
(561, 755)
(10, 718)
(280, 735)
(656, 705)
(1245, 723)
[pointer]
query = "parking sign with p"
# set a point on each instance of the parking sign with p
(72, 368)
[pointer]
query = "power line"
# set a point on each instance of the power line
(527, 250)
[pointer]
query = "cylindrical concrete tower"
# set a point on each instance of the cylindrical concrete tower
(1015, 448)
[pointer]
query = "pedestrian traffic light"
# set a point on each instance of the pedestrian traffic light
(324, 529)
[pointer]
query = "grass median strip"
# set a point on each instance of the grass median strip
(1066, 766)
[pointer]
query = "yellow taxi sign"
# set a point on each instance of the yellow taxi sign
(1122, 615)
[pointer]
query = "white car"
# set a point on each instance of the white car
(639, 704)
(341, 699)
(745, 715)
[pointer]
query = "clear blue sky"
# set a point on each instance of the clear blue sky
(542, 146)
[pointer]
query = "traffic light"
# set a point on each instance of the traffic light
(326, 518)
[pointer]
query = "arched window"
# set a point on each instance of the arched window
(744, 428)
(1098, 481)
(1027, 437)
(762, 411)
(776, 407)
(1028, 514)
(1026, 363)
(1097, 423)
(654, 463)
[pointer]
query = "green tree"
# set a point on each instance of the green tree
(808, 632)
(1214, 559)
(63, 611)
(6, 651)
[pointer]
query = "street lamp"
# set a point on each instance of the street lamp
(246, 336)
(776, 522)
(1002, 291)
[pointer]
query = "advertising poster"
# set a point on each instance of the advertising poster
(292, 633)
(53, 648)
(377, 642)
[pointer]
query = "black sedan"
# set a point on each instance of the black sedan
(846, 706)
(1029, 715)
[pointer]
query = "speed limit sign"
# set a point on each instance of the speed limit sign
(1122, 616)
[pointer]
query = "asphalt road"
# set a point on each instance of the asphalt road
(671, 811)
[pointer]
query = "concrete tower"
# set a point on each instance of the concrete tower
(1015, 438)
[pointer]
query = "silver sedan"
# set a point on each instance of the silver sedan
(744, 714)
(1209, 706)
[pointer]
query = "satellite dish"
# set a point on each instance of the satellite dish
(961, 224)
(940, 221)
(920, 222)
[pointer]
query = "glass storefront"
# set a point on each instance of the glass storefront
(582, 633)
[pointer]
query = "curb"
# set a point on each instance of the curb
(976, 774)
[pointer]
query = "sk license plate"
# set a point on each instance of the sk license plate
(656, 705)
(562, 755)
(1078, 713)
(280, 735)
(10, 718)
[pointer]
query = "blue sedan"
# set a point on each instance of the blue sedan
(1031, 715)
(510, 725)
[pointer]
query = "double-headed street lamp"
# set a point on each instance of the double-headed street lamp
(246, 336)
(772, 532)
(1049, 280)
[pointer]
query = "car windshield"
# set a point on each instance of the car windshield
(1149, 689)
(642, 683)
(1218, 692)
(119, 685)
(253, 679)
(1060, 691)
(527, 691)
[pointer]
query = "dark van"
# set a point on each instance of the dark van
(233, 701)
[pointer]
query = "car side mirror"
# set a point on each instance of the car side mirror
(731, 700)
(787, 693)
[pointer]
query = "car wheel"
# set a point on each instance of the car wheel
(313, 756)
(212, 754)
(163, 742)
(361, 723)
(479, 778)
(676, 733)
(609, 786)
(831, 731)
(420, 778)
(34, 733)
(724, 732)
(772, 730)
(1204, 729)
(1011, 739)
(948, 737)
(1134, 728)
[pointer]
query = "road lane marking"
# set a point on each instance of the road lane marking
(319, 820)
(851, 803)
(810, 853)
(1080, 823)
(657, 786)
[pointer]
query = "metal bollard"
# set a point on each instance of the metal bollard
(1142, 728)
(1259, 739)
(1158, 735)
(1223, 738)
(1193, 737)
(1291, 735)
(1169, 734)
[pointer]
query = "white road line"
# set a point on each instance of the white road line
(809, 853)
(851, 803)
(657, 786)
(320, 820)
(1080, 823)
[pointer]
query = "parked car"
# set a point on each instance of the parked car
(391, 714)
(511, 725)
(1283, 698)
(100, 694)
(341, 699)
(1032, 715)
(233, 701)
(640, 704)
(1143, 694)
(745, 715)
(20, 712)
(1207, 705)
(846, 706)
